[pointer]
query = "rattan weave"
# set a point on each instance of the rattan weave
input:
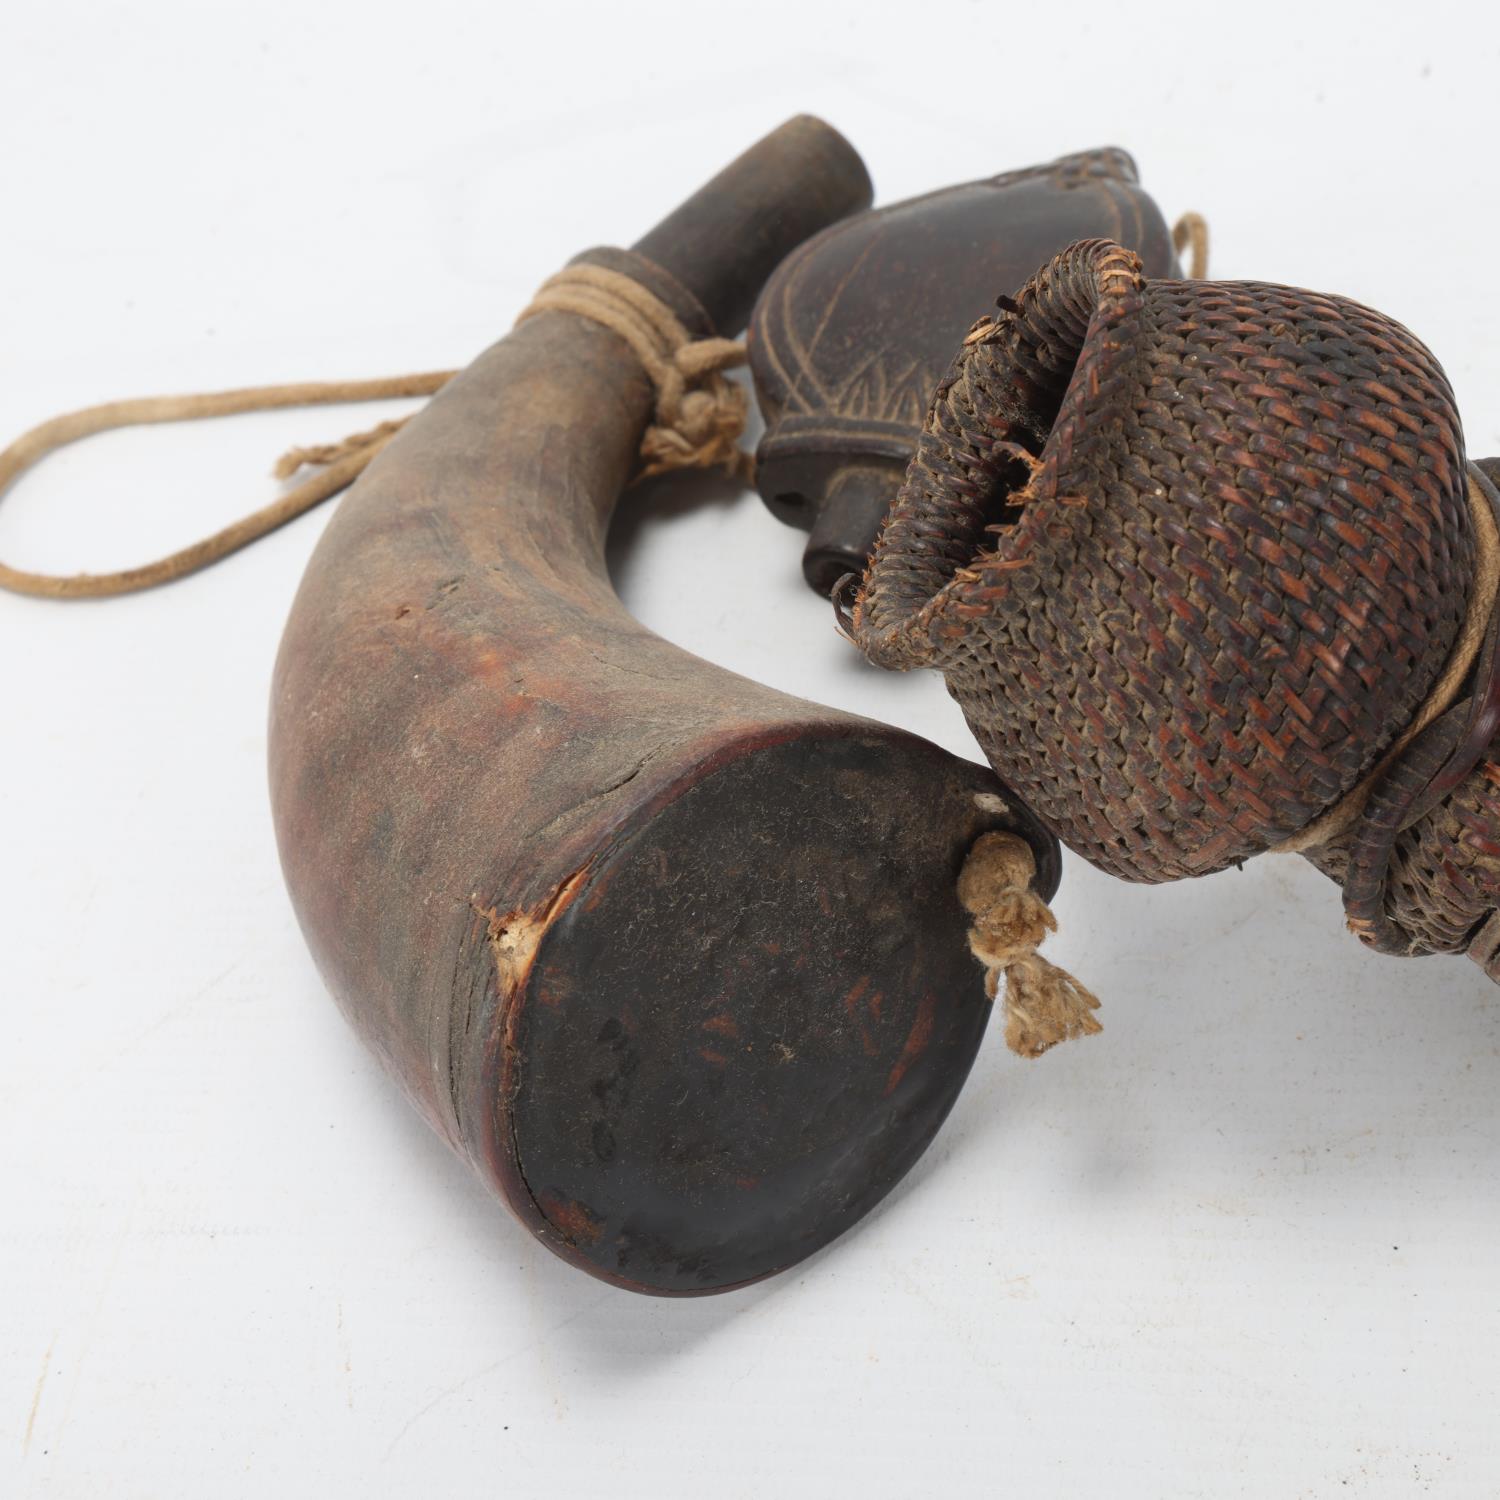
(1190, 556)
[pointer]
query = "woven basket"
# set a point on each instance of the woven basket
(1191, 555)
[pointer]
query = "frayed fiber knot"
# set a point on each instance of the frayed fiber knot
(700, 413)
(1044, 1005)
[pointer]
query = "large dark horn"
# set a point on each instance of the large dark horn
(674, 960)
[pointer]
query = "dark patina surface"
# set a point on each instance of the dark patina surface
(674, 960)
(855, 329)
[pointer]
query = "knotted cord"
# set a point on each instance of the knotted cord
(697, 423)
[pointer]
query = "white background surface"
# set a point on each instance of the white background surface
(1243, 1243)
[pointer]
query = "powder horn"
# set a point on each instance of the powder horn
(675, 961)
